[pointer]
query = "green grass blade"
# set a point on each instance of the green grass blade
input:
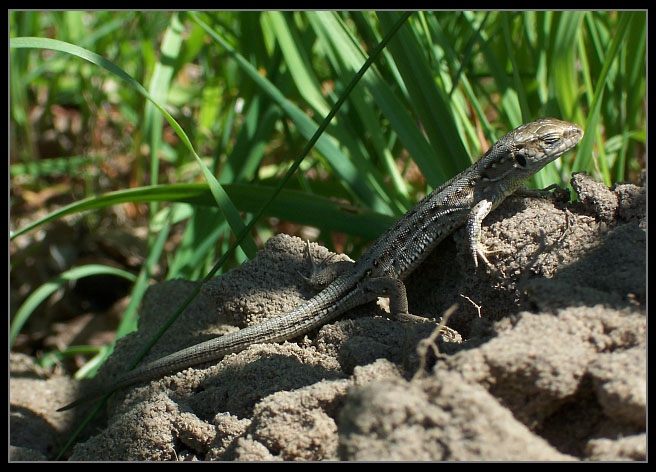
(347, 172)
(47, 289)
(563, 62)
(58, 356)
(130, 317)
(297, 62)
(346, 57)
(291, 205)
(231, 213)
(159, 89)
(583, 160)
(517, 83)
(429, 102)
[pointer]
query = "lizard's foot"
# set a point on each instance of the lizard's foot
(313, 266)
(553, 191)
(447, 333)
(322, 275)
(480, 251)
(409, 318)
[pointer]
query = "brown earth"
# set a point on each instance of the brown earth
(552, 366)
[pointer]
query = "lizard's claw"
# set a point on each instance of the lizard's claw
(480, 251)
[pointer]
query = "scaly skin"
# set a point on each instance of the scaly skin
(465, 199)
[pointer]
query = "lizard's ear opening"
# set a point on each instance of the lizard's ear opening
(520, 159)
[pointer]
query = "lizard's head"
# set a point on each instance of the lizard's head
(527, 149)
(542, 141)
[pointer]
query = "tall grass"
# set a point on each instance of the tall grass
(243, 92)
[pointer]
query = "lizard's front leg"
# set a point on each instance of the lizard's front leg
(476, 217)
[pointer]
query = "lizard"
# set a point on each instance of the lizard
(465, 199)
